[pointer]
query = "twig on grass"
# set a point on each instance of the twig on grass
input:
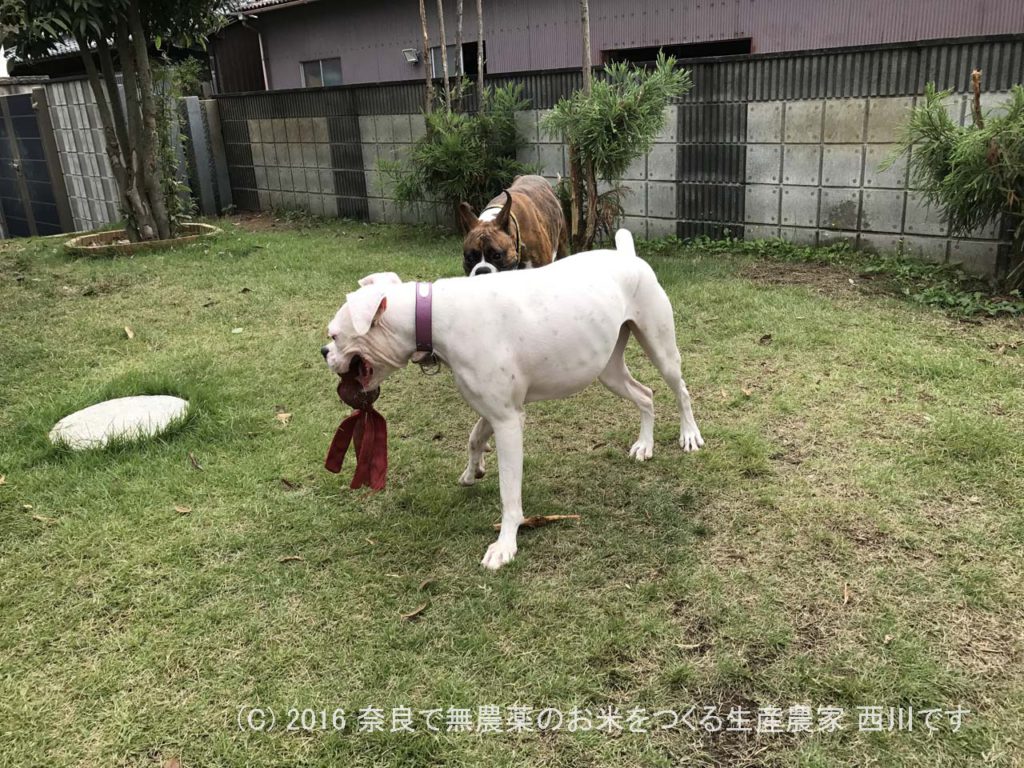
(538, 521)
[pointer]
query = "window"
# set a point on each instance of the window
(456, 67)
(647, 56)
(436, 65)
(321, 72)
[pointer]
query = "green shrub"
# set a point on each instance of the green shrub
(975, 173)
(464, 157)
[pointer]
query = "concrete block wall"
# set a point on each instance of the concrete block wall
(292, 164)
(813, 176)
(389, 138)
(92, 191)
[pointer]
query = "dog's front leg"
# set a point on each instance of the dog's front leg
(508, 438)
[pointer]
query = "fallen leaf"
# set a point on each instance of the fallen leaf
(284, 418)
(747, 391)
(183, 510)
(597, 445)
(887, 639)
(291, 559)
(129, 332)
(846, 593)
(171, 762)
(415, 612)
(538, 521)
(3, 479)
(765, 340)
(236, 330)
(194, 461)
(26, 506)
(42, 519)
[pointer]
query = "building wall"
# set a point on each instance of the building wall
(763, 146)
(532, 35)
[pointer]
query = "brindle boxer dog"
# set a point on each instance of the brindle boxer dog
(525, 228)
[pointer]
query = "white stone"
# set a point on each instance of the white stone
(125, 417)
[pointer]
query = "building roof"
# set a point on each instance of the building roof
(246, 6)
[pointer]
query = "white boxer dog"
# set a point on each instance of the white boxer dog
(517, 337)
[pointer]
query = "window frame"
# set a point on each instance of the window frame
(320, 65)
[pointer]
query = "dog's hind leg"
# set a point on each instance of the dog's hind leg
(656, 333)
(477, 445)
(618, 379)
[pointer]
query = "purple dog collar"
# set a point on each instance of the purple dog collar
(424, 312)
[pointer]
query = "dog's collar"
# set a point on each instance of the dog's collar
(424, 315)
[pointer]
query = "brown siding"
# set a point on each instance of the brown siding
(532, 35)
(236, 56)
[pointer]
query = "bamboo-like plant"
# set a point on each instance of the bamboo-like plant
(974, 174)
(609, 128)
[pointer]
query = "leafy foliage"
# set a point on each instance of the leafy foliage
(618, 122)
(975, 174)
(464, 157)
(607, 129)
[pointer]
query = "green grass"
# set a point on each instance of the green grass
(852, 536)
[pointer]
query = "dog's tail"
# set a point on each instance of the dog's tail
(624, 242)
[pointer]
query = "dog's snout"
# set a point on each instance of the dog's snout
(324, 351)
(483, 268)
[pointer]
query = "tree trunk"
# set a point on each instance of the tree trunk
(575, 198)
(152, 175)
(138, 221)
(133, 113)
(585, 23)
(444, 55)
(479, 53)
(429, 96)
(591, 230)
(459, 66)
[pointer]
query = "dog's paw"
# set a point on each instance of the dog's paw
(691, 441)
(642, 450)
(498, 554)
(471, 475)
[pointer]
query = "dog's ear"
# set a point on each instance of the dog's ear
(365, 307)
(380, 278)
(501, 220)
(467, 219)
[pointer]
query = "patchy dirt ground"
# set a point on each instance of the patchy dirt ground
(824, 278)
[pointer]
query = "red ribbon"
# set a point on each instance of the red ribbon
(369, 431)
